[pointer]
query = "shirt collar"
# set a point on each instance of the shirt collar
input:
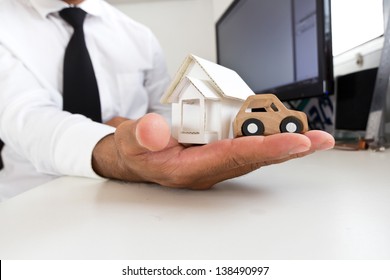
(46, 7)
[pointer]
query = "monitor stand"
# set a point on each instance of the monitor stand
(376, 134)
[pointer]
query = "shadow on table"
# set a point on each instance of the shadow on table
(225, 194)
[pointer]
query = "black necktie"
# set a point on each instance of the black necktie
(80, 91)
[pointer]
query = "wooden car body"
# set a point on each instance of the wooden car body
(265, 114)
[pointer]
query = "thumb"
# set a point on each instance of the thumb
(149, 133)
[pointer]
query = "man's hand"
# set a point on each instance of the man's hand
(144, 151)
(116, 121)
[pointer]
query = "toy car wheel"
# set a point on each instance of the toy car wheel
(291, 124)
(252, 127)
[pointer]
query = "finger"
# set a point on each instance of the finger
(149, 133)
(273, 150)
(320, 140)
(222, 157)
(206, 182)
(251, 150)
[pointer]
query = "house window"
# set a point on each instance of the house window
(191, 116)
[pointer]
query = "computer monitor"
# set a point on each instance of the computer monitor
(278, 46)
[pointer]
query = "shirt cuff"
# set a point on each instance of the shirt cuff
(73, 155)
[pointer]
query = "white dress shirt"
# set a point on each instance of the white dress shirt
(42, 141)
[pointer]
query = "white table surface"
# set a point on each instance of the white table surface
(330, 205)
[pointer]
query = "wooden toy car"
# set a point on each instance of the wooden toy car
(265, 114)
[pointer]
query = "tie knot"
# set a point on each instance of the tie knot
(74, 16)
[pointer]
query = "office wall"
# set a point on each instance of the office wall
(182, 26)
(219, 7)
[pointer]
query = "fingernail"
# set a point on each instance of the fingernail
(299, 149)
(327, 145)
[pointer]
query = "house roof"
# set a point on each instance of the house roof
(204, 88)
(226, 82)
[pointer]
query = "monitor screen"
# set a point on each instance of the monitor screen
(279, 46)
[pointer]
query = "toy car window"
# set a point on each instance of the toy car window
(255, 109)
(259, 110)
(273, 106)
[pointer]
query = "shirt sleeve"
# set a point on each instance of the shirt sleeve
(157, 80)
(33, 124)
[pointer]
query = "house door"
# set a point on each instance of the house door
(192, 117)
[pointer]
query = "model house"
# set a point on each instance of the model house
(205, 99)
